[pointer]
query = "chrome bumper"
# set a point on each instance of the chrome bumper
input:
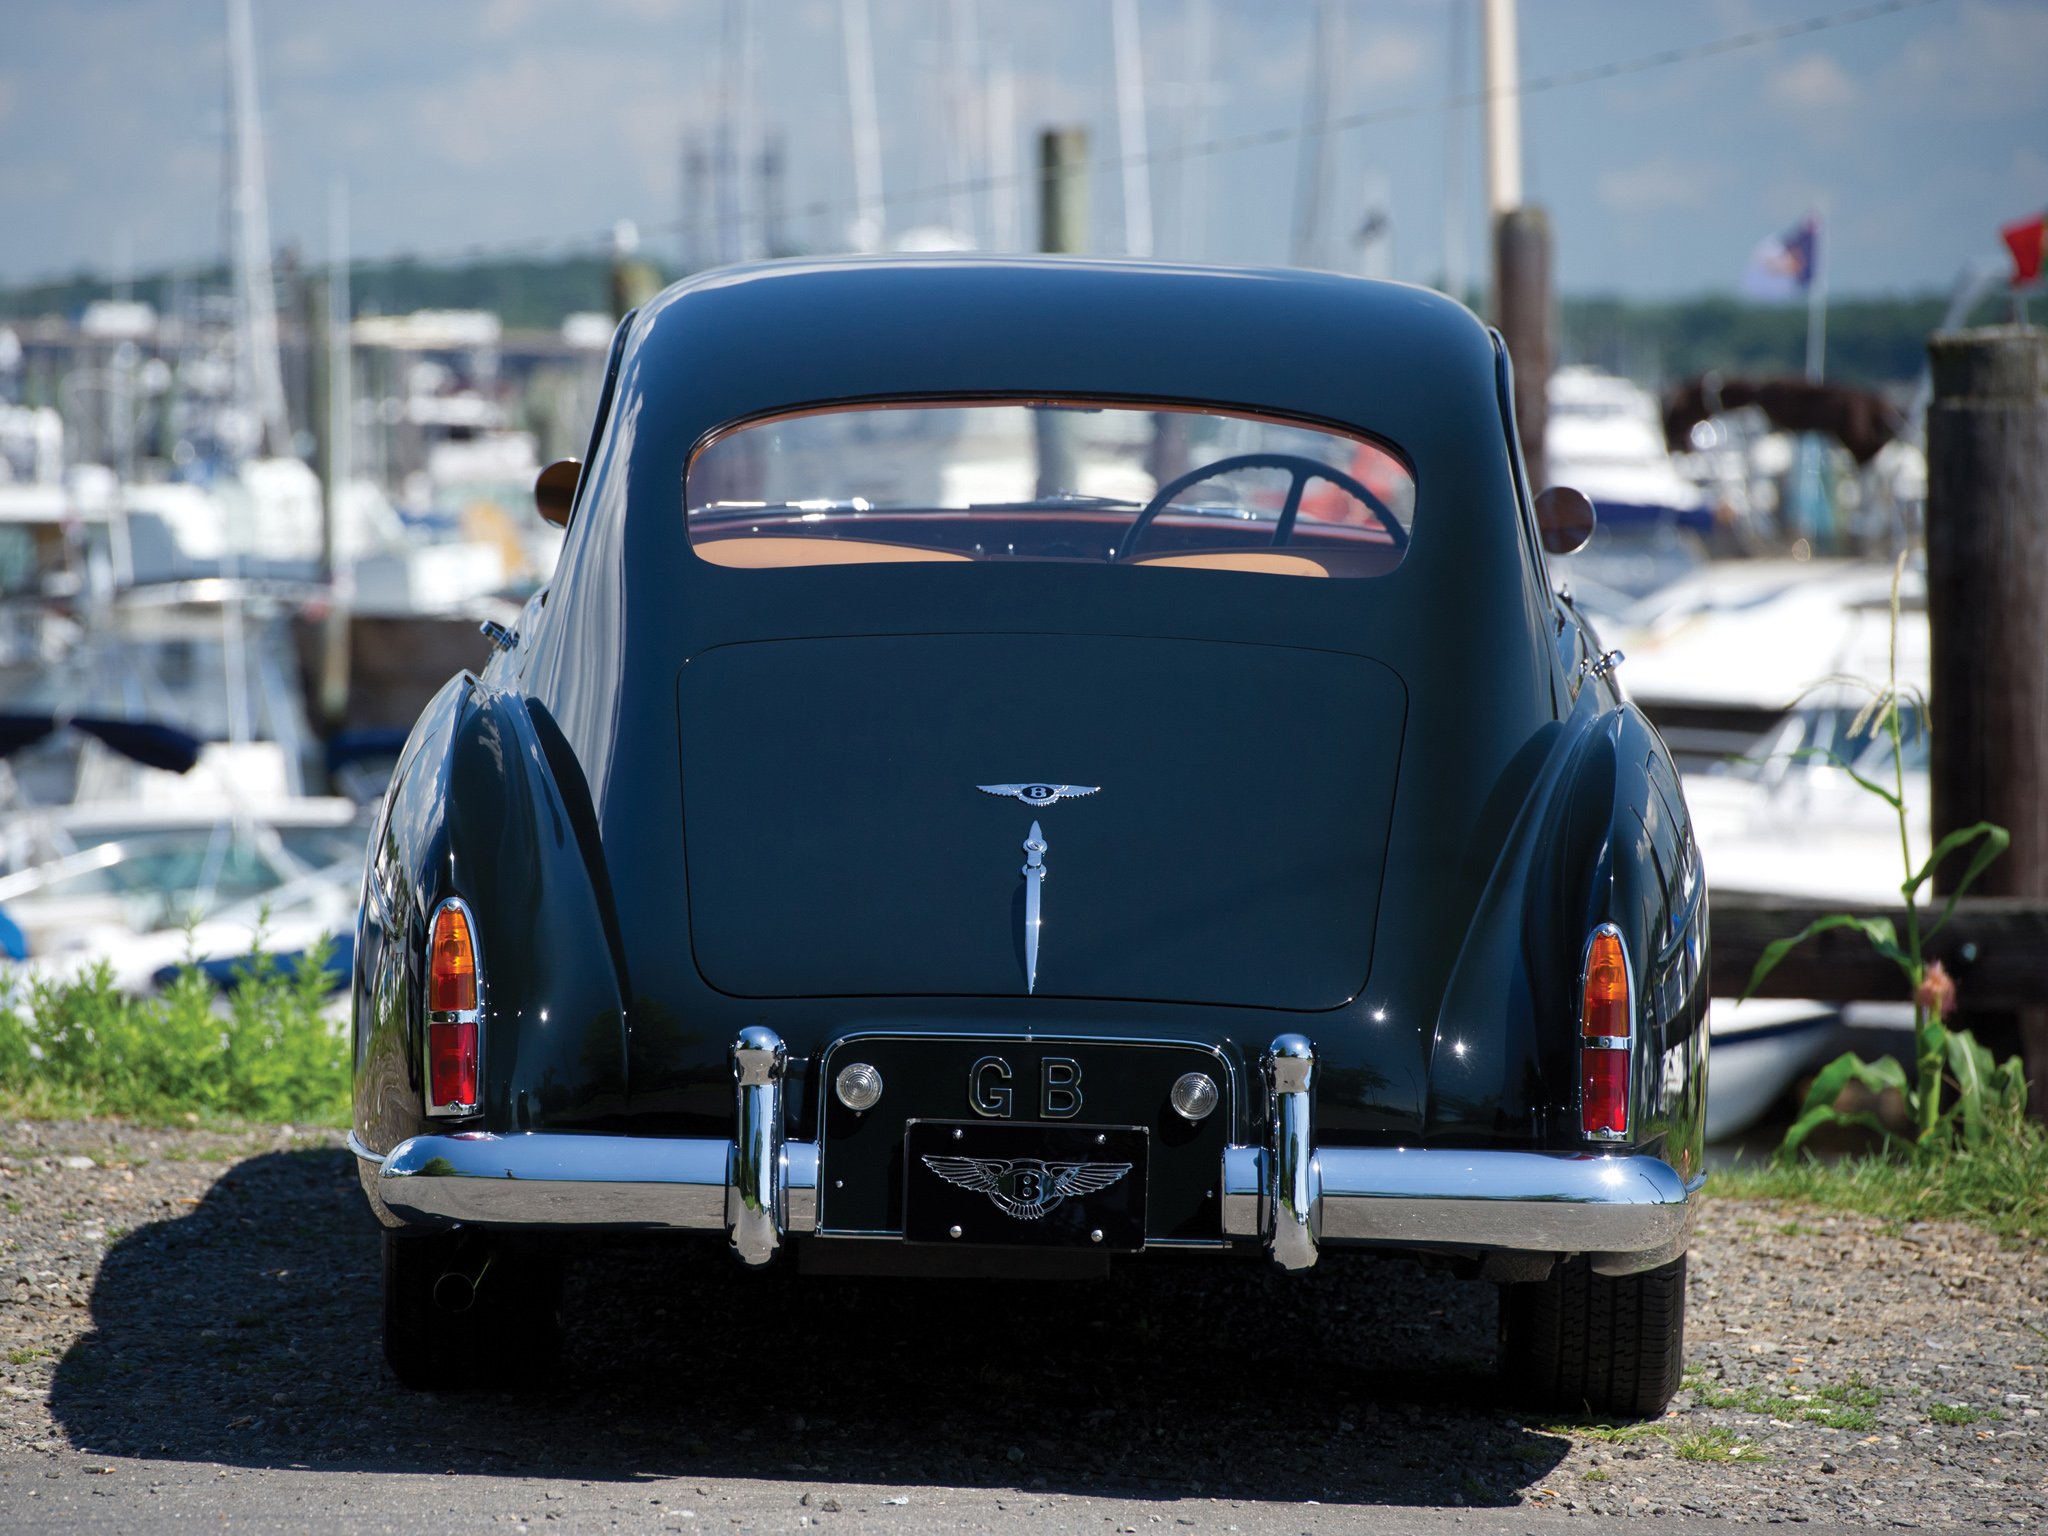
(1628, 1213)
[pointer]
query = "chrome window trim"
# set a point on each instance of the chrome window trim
(431, 1016)
(1606, 1042)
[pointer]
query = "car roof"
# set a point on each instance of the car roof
(1400, 362)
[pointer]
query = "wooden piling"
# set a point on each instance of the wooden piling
(1987, 610)
(1525, 311)
(1062, 230)
(1063, 190)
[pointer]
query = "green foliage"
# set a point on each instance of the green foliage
(1986, 1100)
(1716, 1445)
(2001, 1186)
(84, 1047)
(1960, 1413)
(1839, 1405)
(1871, 341)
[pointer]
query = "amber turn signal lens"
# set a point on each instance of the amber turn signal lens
(1605, 1011)
(451, 967)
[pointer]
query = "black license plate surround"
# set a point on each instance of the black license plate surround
(933, 1204)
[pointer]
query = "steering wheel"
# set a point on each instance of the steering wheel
(1300, 468)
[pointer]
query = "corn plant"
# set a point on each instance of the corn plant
(1957, 1091)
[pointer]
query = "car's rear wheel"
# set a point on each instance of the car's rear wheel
(1609, 1344)
(467, 1310)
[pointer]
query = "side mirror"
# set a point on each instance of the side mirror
(1566, 519)
(554, 491)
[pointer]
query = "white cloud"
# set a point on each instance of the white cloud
(1815, 83)
(1987, 62)
(1662, 183)
(1387, 56)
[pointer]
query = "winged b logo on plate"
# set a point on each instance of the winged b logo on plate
(1026, 1187)
(1040, 794)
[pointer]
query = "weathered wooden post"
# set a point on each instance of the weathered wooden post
(1522, 305)
(1062, 230)
(1527, 319)
(1063, 190)
(1987, 610)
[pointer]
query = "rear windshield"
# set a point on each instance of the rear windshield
(1092, 484)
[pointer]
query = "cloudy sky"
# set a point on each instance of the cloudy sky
(491, 124)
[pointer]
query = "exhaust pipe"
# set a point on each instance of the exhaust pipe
(455, 1292)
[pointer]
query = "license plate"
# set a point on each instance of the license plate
(1032, 1186)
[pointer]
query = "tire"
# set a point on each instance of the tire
(1606, 1344)
(464, 1310)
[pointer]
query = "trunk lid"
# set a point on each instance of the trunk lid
(838, 843)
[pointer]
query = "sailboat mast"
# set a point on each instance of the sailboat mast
(1130, 127)
(869, 223)
(259, 377)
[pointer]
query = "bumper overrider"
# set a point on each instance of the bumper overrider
(1627, 1213)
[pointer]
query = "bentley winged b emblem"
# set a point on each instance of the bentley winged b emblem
(1040, 794)
(1026, 1187)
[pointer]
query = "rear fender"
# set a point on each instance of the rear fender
(477, 813)
(1594, 844)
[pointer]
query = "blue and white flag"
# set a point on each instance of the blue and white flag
(1782, 267)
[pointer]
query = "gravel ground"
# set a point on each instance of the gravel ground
(193, 1298)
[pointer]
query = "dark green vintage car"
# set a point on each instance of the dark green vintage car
(1247, 853)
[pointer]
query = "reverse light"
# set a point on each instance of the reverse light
(859, 1086)
(453, 1086)
(1193, 1096)
(1606, 1037)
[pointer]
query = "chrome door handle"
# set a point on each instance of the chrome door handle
(1602, 665)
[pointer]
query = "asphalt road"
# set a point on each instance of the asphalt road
(93, 1497)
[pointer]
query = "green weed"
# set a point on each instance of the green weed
(1841, 1405)
(82, 1047)
(1716, 1445)
(1853, 1393)
(1957, 1096)
(1960, 1413)
(1605, 1433)
(2001, 1187)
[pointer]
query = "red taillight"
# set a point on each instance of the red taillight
(451, 1013)
(1606, 1038)
(451, 964)
(1603, 1103)
(451, 1053)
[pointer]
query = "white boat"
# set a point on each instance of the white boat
(1605, 436)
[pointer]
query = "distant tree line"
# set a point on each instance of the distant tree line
(1872, 341)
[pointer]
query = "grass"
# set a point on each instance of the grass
(2002, 1187)
(1605, 1433)
(1716, 1445)
(83, 1048)
(1960, 1413)
(1839, 1405)
(26, 1356)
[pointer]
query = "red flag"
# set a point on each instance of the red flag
(2024, 239)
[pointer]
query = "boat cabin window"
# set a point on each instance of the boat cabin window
(1068, 482)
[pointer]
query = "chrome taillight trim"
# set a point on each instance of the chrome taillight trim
(1606, 1042)
(434, 1107)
